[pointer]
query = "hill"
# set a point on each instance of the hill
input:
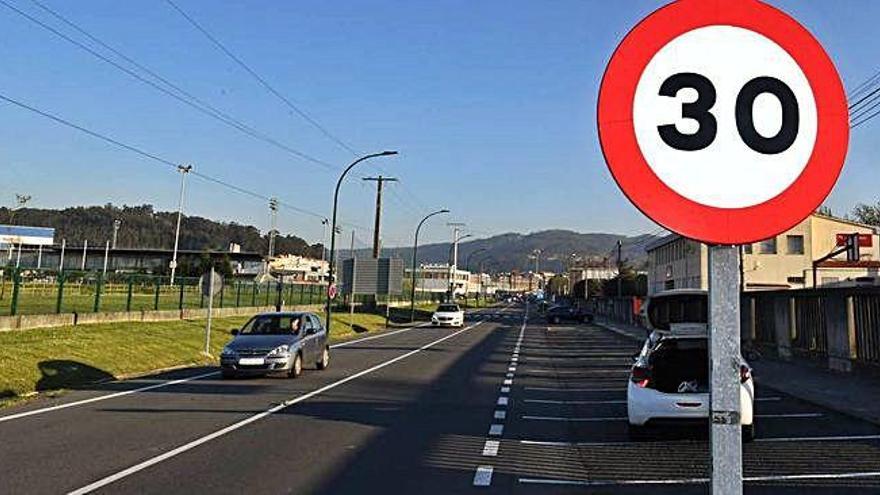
(511, 251)
(143, 227)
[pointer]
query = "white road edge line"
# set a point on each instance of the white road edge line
(256, 417)
(170, 383)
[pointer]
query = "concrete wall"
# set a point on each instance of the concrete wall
(25, 322)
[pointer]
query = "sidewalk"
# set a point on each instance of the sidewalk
(855, 394)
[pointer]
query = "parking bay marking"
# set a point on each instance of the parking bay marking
(256, 417)
(624, 418)
(696, 481)
(838, 438)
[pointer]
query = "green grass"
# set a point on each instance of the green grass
(65, 357)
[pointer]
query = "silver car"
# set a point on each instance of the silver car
(276, 343)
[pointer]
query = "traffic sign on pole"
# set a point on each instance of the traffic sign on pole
(724, 121)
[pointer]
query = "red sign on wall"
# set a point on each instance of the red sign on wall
(865, 240)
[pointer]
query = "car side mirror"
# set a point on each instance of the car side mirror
(234, 331)
(311, 331)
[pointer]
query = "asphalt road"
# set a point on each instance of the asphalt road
(424, 410)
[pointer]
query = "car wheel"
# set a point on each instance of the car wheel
(297, 367)
(227, 374)
(748, 433)
(637, 432)
(325, 359)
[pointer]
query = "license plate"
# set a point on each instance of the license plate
(251, 361)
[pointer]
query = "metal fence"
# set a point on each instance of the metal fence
(28, 291)
(810, 326)
(866, 313)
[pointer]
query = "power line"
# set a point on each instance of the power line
(192, 102)
(151, 156)
(314, 123)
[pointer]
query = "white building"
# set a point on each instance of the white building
(781, 262)
(435, 278)
(293, 268)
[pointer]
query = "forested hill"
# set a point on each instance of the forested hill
(143, 227)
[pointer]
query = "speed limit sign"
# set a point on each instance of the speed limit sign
(723, 120)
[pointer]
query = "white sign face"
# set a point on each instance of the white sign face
(725, 117)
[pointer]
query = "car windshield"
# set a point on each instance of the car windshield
(272, 325)
(448, 308)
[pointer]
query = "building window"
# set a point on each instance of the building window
(794, 244)
(747, 249)
(768, 246)
(796, 280)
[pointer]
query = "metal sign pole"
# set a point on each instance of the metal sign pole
(210, 311)
(724, 370)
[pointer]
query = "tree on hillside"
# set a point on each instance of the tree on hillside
(869, 214)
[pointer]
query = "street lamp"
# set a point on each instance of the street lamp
(328, 309)
(453, 259)
(183, 171)
(412, 298)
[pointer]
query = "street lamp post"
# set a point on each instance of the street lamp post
(328, 309)
(467, 267)
(412, 295)
(183, 171)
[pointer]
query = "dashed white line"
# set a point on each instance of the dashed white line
(694, 481)
(496, 430)
(490, 449)
(500, 414)
(502, 401)
(483, 476)
(505, 390)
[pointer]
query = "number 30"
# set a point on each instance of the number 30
(699, 110)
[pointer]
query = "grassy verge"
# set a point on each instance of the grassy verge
(65, 357)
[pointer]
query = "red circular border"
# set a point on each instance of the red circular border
(669, 208)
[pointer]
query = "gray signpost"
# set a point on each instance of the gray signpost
(724, 369)
(211, 284)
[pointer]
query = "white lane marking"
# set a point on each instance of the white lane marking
(559, 418)
(105, 397)
(505, 390)
(483, 476)
(256, 417)
(496, 430)
(508, 381)
(168, 383)
(842, 438)
(374, 337)
(551, 389)
(509, 375)
(512, 368)
(694, 481)
(502, 401)
(490, 449)
(566, 402)
(790, 416)
(500, 414)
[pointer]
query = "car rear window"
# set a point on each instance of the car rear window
(448, 308)
(683, 308)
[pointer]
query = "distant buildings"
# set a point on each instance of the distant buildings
(294, 268)
(782, 262)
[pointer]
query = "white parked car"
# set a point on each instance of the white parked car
(669, 380)
(448, 315)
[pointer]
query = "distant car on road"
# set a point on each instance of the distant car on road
(558, 314)
(276, 343)
(669, 380)
(448, 315)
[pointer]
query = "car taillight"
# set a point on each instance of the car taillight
(744, 373)
(641, 376)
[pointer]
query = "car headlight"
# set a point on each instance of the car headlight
(281, 350)
(227, 351)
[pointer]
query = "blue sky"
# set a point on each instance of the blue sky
(491, 105)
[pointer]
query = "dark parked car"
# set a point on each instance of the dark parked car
(276, 343)
(558, 314)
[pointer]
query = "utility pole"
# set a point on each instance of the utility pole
(116, 224)
(379, 182)
(184, 170)
(273, 229)
(85, 248)
(353, 281)
(453, 267)
(619, 264)
(324, 223)
(106, 257)
(61, 256)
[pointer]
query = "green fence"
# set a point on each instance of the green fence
(29, 291)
